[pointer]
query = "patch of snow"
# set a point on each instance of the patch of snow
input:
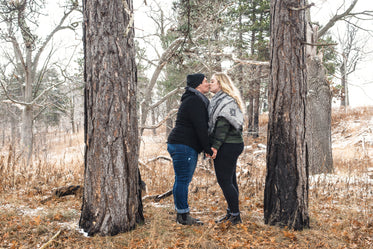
(259, 152)
(32, 212)
(6, 206)
(23, 210)
(80, 230)
(72, 225)
(333, 179)
(158, 205)
(262, 146)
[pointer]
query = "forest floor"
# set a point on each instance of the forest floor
(340, 204)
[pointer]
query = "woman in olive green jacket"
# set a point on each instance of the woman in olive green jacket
(225, 132)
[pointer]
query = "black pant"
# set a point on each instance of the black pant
(225, 169)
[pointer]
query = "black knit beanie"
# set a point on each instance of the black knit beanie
(194, 80)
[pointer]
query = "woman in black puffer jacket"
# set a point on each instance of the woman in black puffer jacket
(188, 138)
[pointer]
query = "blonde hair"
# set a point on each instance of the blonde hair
(229, 88)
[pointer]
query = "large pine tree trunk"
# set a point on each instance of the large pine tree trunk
(286, 187)
(111, 202)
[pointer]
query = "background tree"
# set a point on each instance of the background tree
(20, 32)
(112, 197)
(184, 47)
(72, 92)
(170, 85)
(354, 20)
(286, 187)
(318, 118)
(352, 52)
(318, 107)
(11, 112)
(321, 59)
(201, 40)
(250, 24)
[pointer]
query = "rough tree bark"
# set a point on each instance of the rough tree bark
(111, 197)
(286, 187)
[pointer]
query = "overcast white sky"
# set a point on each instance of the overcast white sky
(360, 82)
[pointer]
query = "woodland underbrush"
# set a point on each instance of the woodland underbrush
(340, 204)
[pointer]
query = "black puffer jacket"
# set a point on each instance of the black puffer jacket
(191, 126)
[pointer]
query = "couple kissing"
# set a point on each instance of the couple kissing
(213, 127)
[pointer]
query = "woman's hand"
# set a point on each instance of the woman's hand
(215, 151)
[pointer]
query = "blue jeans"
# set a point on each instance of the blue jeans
(184, 159)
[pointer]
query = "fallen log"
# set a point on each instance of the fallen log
(157, 198)
(158, 158)
(76, 190)
(69, 190)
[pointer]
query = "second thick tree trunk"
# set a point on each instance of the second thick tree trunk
(286, 187)
(111, 202)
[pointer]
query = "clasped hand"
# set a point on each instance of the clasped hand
(214, 152)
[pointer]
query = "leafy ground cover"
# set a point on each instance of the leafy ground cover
(340, 204)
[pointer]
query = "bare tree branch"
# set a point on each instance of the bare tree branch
(43, 71)
(170, 51)
(320, 44)
(172, 112)
(49, 37)
(168, 95)
(33, 102)
(11, 100)
(17, 49)
(336, 18)
(232, 57)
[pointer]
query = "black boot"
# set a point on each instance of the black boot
(186, 219)
(224, 218)
(235, 219)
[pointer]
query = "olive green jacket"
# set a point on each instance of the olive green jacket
(224, 132)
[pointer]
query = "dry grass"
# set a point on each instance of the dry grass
(340, 206)
(340, 115)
